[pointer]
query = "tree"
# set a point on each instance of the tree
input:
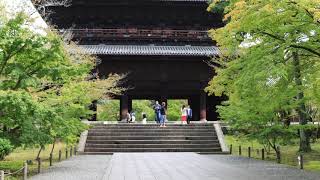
(269, 61)
(45, 85)
(174, 109)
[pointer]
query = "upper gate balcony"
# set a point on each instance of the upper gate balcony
(135, 35)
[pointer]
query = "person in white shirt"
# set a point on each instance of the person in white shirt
(144, 118)
(189, 114)
(133, 117)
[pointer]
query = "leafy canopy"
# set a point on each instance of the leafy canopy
(45, 87)
(256, 69)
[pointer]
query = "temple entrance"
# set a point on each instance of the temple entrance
(146, 106)
(204, 107)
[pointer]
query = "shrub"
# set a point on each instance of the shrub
(5, 148)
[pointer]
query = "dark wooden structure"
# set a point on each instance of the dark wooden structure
(161, 44)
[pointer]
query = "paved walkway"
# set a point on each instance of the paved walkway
(77, 168)
(171, 166)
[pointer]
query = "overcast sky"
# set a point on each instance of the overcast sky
(14, 6)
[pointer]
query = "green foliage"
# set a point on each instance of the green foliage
(269, 65)
(5, 148)
(146, 106)
(44, 85)
(174, 109)
(108, 110)
(26, 121)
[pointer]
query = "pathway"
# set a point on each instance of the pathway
(172, 166)
(77, 168)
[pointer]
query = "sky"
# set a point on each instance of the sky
(12, 7)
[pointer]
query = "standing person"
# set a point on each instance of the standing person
(163, 112)
(189, 114)
(128, 117)
(133, 117)
(157, 108)
(183, 114)
(144, 118)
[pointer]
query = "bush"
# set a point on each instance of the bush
(5, 148)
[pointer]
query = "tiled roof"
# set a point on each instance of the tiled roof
(151, 50)
(187, 0)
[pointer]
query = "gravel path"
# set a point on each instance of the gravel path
(83, 167)
(171, 166)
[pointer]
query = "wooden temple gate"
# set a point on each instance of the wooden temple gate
(163, 45)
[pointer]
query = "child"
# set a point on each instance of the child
(144, 118)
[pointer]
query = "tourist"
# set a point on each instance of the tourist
(133, 117)
(163, 112)
(189, 114)
(183, 114)
(157, 108)
(144, 118)
(128, 117)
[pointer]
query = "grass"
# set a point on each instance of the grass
(289, 153)
(16, 159)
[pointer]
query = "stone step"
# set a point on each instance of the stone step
(153, 141)
(152, 130)
(215, 149)
(91, 146)
(111, 153)
(151, 137)
(151, 126)
(191, 133)
(111, 138)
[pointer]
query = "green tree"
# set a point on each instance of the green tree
(143, 106)
(269, 66)
(45, 85)
(5, 148)
(174, 109)
(108, 110)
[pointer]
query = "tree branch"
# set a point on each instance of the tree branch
(10, 55)
(305, 48)
(272, 36)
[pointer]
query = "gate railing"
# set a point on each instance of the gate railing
(141, 33)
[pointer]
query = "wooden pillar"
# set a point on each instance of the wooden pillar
(129, 104)
(124, 109)
(212, 102)
(93, 107)
(194, 103)
(203, 106)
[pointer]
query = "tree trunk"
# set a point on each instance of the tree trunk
(38, 155)
(53, 145)
(278, 155)
(304, 135)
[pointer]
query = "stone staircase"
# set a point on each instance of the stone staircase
(112, 138)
